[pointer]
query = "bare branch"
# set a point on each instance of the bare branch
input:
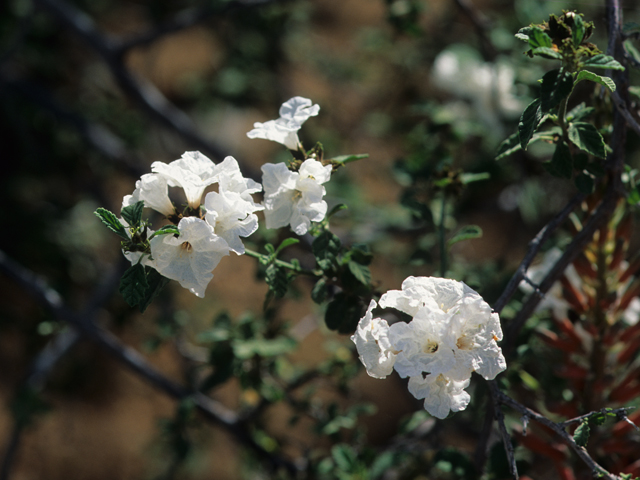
(143, 92)
(85, 325)
(559, 430)
(506, 439)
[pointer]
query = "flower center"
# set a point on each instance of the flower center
(297, 194)
(464, 343)
(186, 246)
(430, 347)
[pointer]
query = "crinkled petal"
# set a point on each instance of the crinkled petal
(441, 394)
(372, 344)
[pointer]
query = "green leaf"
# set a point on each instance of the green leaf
(466, 233)
(361, 253)
(277, 279)
(342, 159)
(336, 209)
(111, 222)
(523, 34)
(345, 457)
(581, 435)
(556, 86)
(133, 214)
(263, 347)
(633, 52)
(287, 242)
(133, 284)
(512, 144)
(361, 272)
(344, 312)
(155, 284)
(166, 230)
(635, 91)
(603, 61)
(587, 75)
(547, 52)
(584, 183)
(578, 30)
(631, 28)
(467, 178)
(579, 112)
(634, 196)
(561, 164)
(538, 38)
(529, 122)
(587, 138)
(326, 248)
(319, 291)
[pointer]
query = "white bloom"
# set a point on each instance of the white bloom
(229, 177)
(294, 198)
(293, 113)
(423, 345)
(231, 217)
(193, 172)
(441, 394)
(191, 257)
(372, 342)
(152, 189)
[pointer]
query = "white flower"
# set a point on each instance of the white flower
(191, 257)
(193, 172)
(372, 342)
(294, 198)
(441, 394)
(231, 217)
(293, 113)
(229, 177)
(152, 189)
(423, 345)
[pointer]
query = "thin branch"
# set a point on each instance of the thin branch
(185, 19)
(482, 26)
(506, 439)
(85, 325)
(617, 411)
(532, 250)
(143, 92)
(559, 430)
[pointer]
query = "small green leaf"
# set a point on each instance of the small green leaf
(547, 52)
(603, 61)
(466, 233)
(155, 284)
(584, 183)
(361, 253)
(467, 178)
(345, 458)
(634, 196)
(342, 159)
(512, 144)
(635, 91)
(581, 435)
(631, 28)
(523, 34)
(263, 347)
(578, 30)
(277, 280)
(326, 248)
(336, 209)
(587, 138)
(166, 230)
(556, 86)
(319, 291)
(538, 38)
(287, 242)
(561, 164)
(361, 272)
(633, 52)
(133, 214)
(579, 112)
(587, 75)
(111, 222)
(529, 122)
(133, 284)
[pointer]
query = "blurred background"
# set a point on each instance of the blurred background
(91, 93)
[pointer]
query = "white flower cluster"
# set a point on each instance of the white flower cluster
(292, 198)
(207, 234)
(453, 333)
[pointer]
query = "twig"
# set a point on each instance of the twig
(506, 439)
(559, 430)
(532, 250)
(579, 419)
(209, 408)
(143, 92)
(185, 19)
(482, 25)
